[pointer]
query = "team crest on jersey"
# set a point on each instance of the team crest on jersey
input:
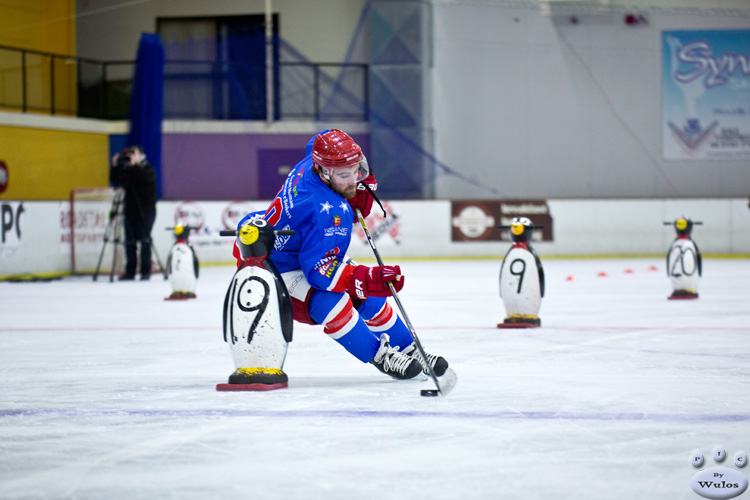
(324, 264)
(336, 221)
(329, 268)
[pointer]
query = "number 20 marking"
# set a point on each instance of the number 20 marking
(680, 259)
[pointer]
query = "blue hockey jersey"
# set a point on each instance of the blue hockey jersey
(322, 221)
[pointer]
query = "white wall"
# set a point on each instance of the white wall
(420, 229)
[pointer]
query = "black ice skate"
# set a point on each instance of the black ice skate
(439, 364)
(394, 363)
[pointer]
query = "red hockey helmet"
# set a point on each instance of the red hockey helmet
(335, 149)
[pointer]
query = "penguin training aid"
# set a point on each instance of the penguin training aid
(182, 264)
(684, 261)
(521, 277)
(257, 313)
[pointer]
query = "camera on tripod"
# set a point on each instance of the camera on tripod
(121, 165)
(123, 159)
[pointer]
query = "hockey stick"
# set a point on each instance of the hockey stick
(449, 379)
(374, 196)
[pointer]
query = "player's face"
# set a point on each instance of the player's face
(344, 181)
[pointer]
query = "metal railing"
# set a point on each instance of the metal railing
(55, 84)
(324, 91)
(31, 80)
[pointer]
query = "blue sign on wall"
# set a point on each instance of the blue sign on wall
(706, 95)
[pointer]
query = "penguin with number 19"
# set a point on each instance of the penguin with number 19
(684, 262)
(521, 277)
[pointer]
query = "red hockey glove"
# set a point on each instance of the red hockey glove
(363, 199)
(368, 281)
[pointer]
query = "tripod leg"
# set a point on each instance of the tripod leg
(114, 249)
(158, 260)
(101, 254)
(110, 230)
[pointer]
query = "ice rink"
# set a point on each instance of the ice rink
(108, 392)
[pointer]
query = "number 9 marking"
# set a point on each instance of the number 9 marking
(520, 273)
(249, 307)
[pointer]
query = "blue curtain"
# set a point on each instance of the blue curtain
(147, 102)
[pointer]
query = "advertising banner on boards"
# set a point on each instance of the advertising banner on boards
(478, 220)
(706, 95)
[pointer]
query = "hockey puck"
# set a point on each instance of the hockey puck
(429, 392)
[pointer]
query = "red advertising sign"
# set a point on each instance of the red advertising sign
(478, 220)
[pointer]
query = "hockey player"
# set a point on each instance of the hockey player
(318, 201)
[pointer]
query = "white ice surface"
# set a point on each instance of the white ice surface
(108, 392)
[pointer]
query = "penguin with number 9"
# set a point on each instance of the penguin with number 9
(182, 264)
(521, 277)
(684, 261)
(257, 314)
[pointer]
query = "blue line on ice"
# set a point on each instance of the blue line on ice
(506, 415)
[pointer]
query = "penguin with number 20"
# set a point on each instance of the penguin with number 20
(684, 261)
(257, 312)
(521, 277)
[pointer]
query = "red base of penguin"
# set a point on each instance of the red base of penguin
(255, 379)
(251, 387)
(180, 296)
(518, 325)
(525, 321)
